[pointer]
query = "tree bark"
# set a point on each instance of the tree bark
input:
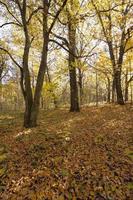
(25, 79)
(118, 87)
(97, 95)
(32, 104)
(74, 100)
(52, 90)
(1, 71)
(39, 84)
(126, 92)
(126, 85)
(113, 90)
(108, 90)
(32, 100)
(42, 69)
(80, 82)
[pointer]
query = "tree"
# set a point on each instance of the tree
(72, 23)
(117, 31)
(32, 101)
(103, 66)
(128, 74)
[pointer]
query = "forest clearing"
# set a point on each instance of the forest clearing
(66, 99)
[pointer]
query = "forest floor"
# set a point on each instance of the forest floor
(72, 156)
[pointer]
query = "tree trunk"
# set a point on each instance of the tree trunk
(131, 93)
(126, 85)
(42, 102)
(117, 67)
(108, 95)
(38, 89)
(25, 81)
(28, 97)
(74, 101)
(27, 113)
(126, 92)
(1, 71)
(113, 90)
(97, 96)
(73, 91)
(52, 90)
(80, 82)
(118, 87)
(42, 70)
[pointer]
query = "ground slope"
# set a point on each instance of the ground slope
(85, 155)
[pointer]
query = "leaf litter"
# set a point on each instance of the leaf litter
(70, 156)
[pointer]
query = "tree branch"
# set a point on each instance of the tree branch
(56, 16)
(33, 13)
(3, 75)
(9, 23)
(5, 5)
(61, 38)
(6, 51)
(130, 48)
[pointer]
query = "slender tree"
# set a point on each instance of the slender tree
(72, 64)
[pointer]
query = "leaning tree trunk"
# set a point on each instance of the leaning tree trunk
(42, 69)
(39, 85)
(74, 101)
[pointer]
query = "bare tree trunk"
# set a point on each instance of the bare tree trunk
(74, 101)
(42, 102)
(52, 90)
(108, 95)
(113, 90)
(97, 96)
(118, 69)
(131, 78)
(131, 93)
(80, 82)
(118, 87)
(25, 81)
(1, 71)
(126, 92)
(28, 90)
(42, 70)
(126, 85)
